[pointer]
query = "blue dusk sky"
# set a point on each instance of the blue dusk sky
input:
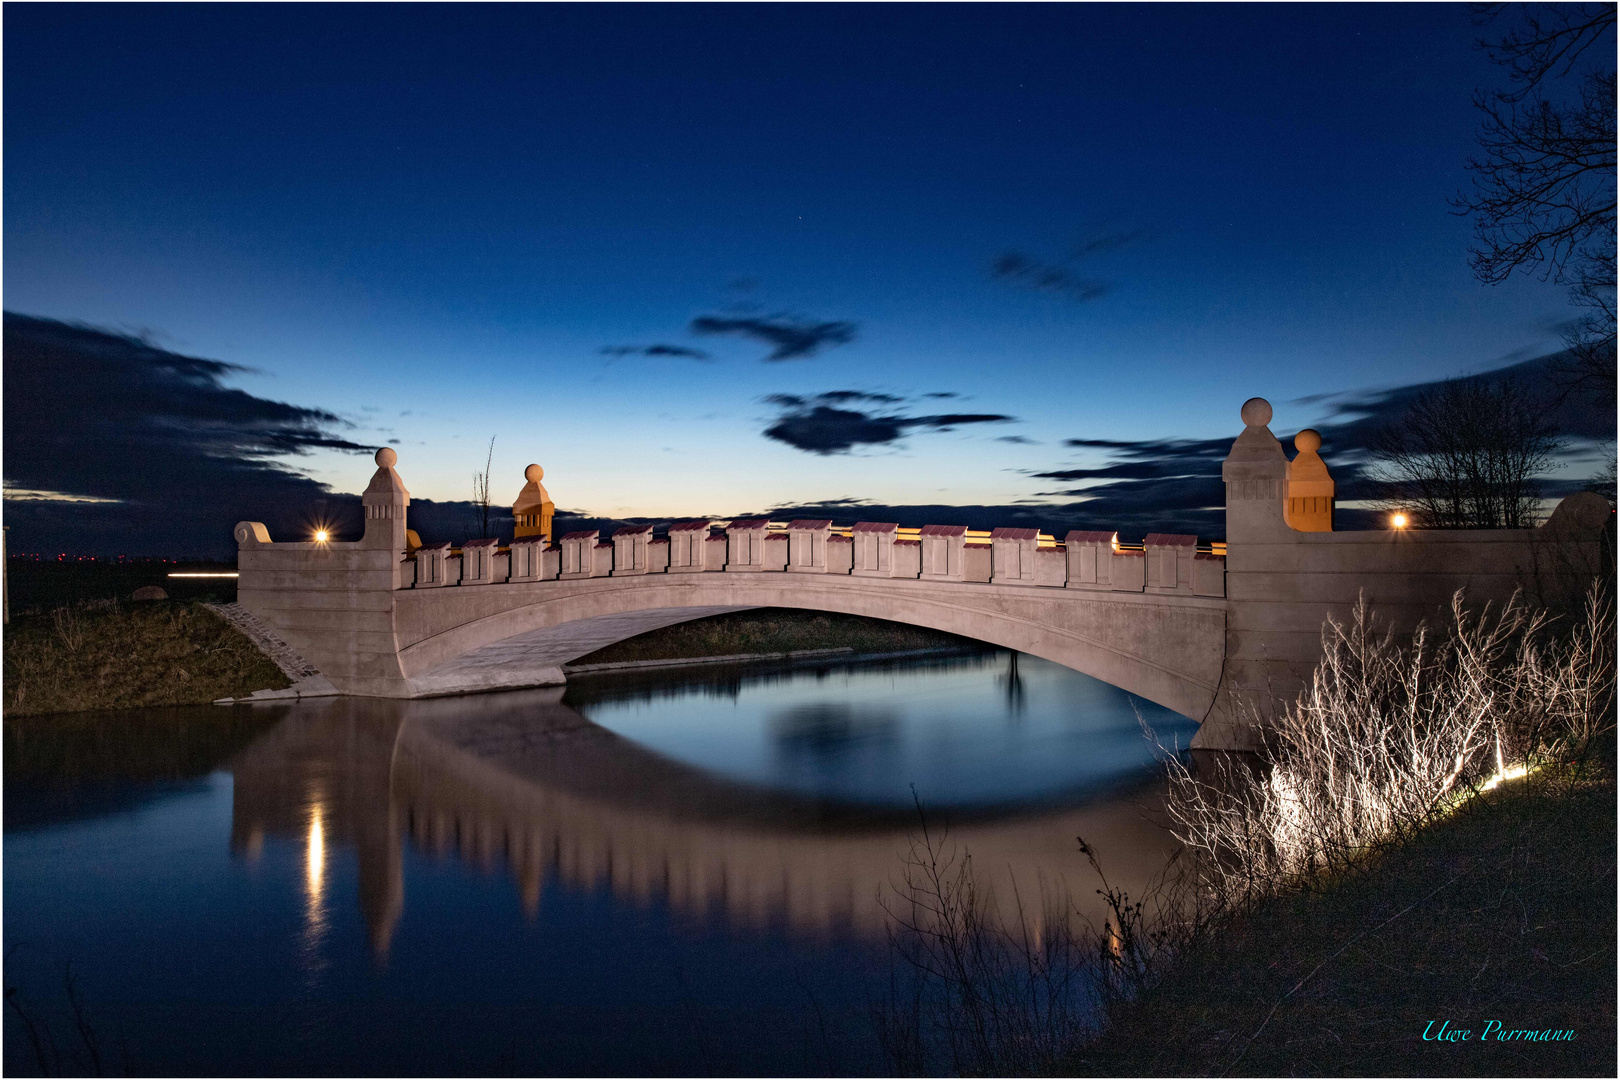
(720, 259)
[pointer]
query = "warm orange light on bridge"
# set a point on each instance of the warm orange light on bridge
(321, 536)
(1398, 520)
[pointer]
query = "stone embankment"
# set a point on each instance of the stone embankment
(307, 681)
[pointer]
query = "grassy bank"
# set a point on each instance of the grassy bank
(771, 630)
(108, 654)
(1503, 911)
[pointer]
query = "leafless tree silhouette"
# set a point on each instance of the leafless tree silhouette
(1543, 199)
(1466, 456)
(481, 492)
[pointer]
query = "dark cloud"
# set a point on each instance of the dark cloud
(833, 397)
(110, 416)
(789, 338)
(817, 425)
(1017, 440)
(1021, 270)
(680, 351)
(1059, 277)
(823, 430)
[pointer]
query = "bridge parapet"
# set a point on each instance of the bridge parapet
(1002, 556)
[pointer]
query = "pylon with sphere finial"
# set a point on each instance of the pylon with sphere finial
(533, 509)
(1310, 488)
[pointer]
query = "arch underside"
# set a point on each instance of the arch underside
(536, 657)
(1165, 648)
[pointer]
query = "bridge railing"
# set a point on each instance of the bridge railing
(1096, 561)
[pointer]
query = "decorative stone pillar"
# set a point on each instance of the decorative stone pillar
(1256, 475)
(807, 552)
(385, 500)
(942, 552)
(1310, 488)
(478, 561)
(745, 539)
(533, 509)
(1091, 559)
(1014, 555)
(1170, 562)
(436, 567)
(579, 554)
(630, 550)
(686, 547)
(528, 559)
(874, 548)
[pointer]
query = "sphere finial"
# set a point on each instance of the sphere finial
(386, 457)
(1256, 412)
(534, 474)
(1308, 441)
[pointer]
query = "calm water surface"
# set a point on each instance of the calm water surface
(664, 875)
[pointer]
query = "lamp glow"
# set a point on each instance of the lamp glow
(320, 536)
(1398, 520)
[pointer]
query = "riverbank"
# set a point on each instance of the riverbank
(1504, 912)
(110, 654)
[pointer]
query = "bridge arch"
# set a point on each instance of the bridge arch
(1167, 649)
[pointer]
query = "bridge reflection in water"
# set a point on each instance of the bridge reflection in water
(522, 782)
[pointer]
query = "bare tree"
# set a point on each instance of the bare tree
(1543, 199)
(1466, 456)
(481, 492)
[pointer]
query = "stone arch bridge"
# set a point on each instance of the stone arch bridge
(1214, 631)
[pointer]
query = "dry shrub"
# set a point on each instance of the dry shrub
(1389, 735)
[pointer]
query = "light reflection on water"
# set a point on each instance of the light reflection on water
(315, 915)
(688, 885)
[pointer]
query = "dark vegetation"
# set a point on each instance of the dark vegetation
(111, 654)
(1466, 455)
(772, 630)
(1543, 198)
(1503, 911)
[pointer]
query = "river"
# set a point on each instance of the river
(671, 873)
